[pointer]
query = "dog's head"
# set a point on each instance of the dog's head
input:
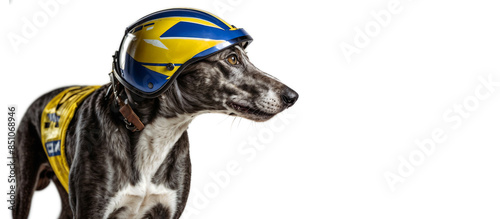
(227, 82)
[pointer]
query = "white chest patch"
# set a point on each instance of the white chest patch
(155, 142)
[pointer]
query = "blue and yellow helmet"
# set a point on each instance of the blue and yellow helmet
(157, 47)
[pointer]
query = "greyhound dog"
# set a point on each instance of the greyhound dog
(116, 173)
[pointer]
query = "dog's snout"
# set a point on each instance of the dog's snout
(289, 96)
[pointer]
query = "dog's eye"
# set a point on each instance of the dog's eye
(232, 59)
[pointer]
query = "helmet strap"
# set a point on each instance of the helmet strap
(132, 121)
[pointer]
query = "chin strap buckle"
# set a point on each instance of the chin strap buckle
(132, 121)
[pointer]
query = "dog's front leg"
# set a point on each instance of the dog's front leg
(87, 191)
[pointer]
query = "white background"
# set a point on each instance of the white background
(352, 120)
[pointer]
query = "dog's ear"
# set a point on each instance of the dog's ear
(244, 44)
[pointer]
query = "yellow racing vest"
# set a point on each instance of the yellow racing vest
(55, 121)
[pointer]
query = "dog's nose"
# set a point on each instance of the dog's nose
(289, 96)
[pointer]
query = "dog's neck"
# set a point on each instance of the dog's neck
(164, 106)
(147, 109)
(164, 125)
(156, 141)
(169, 106)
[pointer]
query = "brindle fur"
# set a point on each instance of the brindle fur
(100, 150)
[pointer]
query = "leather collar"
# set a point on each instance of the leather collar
(121, 100)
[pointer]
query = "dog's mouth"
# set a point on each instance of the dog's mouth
(249, 112)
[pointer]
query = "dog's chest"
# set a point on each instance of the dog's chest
(154, 145)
